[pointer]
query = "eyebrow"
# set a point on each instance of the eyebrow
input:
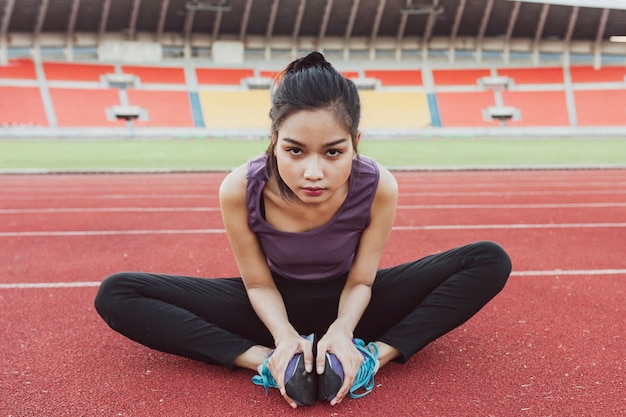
(326, 145)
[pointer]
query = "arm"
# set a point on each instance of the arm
(262, 292)
(357, 291)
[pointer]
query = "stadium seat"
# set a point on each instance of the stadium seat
(222, 76)
(21, 106)
(20, 69)
(543, 75)
(538, 108)
(601, 107)
(165, 108)
(588, 74)
(61, 71)
(84, 107)
(464, 109)
(394, 110)
(450, 77)
(156, 75)
(240, 109)
(390, 78)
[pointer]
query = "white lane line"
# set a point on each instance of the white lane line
(548, 273)
(398, 228)
(62, 210)
(569, 272)
(511, 206)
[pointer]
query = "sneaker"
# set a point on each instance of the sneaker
(332, 378)
(301, 386)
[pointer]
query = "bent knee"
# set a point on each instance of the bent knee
(110, 290)
(499, 261)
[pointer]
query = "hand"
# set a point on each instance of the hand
(340, 345)
(284, 352)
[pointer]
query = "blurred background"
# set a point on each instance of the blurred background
(168, 69)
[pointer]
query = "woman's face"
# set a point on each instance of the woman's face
(314, 155)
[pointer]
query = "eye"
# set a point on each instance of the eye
(294, 151)
(334, 153)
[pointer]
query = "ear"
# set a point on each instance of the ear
(357, 140)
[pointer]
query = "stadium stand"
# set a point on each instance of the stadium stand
(394, 110)
(85, 106)
(235, 109)
(18, 69)
(61, 71)
(601, 107)
(21, 106)
(456, 77)
(543, 75)
(164, 108)
(398, 100)
(390, 78)
(538, 108)
(588, 74)
(156, 75)
(222, 76)
(464, 109)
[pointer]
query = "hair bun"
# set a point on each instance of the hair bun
(314, 59)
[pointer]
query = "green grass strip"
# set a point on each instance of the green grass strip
(225, 154)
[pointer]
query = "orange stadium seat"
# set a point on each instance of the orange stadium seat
(544, 75)
(459, 76)
(538, 108)
(396, 77)
(222, 76)
(84, 107)
(22, 69)
(165, 108)
(588, 74)
(21, 105)
(58, 71)
(156, 75)
(465, 109)
(601, 107)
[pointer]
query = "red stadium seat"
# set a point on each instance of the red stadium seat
(588, 74)
(23, 69)
(165, 108)
(465, 109)
(396, 77)
(601, 107)
(459, 76)
(84, 107)
(21, 105)
(544, 75)
(538, 108)
(58, 71)
(156, 75)
(222, 76)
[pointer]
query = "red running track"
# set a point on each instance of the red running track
(551, 344)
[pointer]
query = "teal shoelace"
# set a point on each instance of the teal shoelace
(265, 377)
(365, 376)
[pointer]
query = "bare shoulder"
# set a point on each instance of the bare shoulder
(233, 187)
(387, 185)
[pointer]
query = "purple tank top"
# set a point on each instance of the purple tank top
(323, 253)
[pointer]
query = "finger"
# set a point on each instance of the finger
(291, 402)
(307, 352)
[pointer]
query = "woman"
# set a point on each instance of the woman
(307, 223)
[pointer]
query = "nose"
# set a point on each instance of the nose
(313, 169)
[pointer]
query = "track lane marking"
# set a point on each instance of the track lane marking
(397, 228)
(62, 210)
(547, 273)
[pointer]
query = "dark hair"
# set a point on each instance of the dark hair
(311, 83)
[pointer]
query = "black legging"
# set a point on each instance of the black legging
(211, 320)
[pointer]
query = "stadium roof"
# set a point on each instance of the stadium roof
(293, 25)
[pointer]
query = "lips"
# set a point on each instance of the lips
(313, 191)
